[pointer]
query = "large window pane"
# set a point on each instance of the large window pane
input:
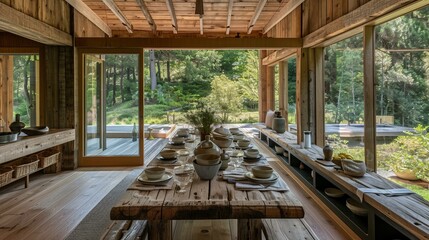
(344, 103)
(402, 99)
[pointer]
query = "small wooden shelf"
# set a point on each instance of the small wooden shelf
(27, 177)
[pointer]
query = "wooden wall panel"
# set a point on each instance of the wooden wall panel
(85, 28)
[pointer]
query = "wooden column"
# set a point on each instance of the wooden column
(283, 90)
(262, 91)
(270, 88)
(369, 97)
(312, 94)
(6, 92)
(320, 98)
(302, 93)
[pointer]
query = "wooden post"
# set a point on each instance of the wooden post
(320, 98)
(270, 88)
(249, 229)
(262, 91)
(6, 91)
(160, 230)
(369, 97)
(312, 94)
(283, 91)
(302, 106)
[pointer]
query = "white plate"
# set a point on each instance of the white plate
(334, 192)
(165, 177)
(271, 179)
(167, 159)
(252, 158)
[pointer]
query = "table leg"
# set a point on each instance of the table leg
(159, 230)
(249, 229)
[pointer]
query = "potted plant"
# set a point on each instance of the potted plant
(203, 118)
(410, 160)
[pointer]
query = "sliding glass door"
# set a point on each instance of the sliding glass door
(111, 108)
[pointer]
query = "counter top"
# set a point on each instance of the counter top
(26, 145)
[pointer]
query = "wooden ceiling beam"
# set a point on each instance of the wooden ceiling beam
(119, 14)
(23, 25)
(191, 43)
(228, 20)
(278, 56)
(288, 8)
(90, 15)
(172, 12)
(256, 15)
(147, 15)
(362, 15)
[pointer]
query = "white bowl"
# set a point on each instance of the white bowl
(154, 173)
(222, 142)
(207, 159)
(178, 140)
(182, 132)
(234, 131)
(168, 154)
(251, 153)
(262, 171)
(238, 137)
(356, 207)
(243, 143)
(279, 150)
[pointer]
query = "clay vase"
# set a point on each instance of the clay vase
(16, 126)
(279, 123)
(224, 157)
(328, 152)
(207, 147)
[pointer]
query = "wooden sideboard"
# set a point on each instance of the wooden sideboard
(26, 145)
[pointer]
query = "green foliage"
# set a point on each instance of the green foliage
(224, 97)
(202, 117)
(411, 152)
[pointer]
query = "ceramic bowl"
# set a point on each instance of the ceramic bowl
(207, 159)
(279, 150)
(222, 142)
(183, 132)
(178, 140)
(251, 153)
(154, 173)
(262, 171)
(243, 143)
(222, 131)
(234, 131)
(334, 192)
(33, 131)
(206, 172)
(356, 207)
(168, 154)
(238, 137)
(7, 137)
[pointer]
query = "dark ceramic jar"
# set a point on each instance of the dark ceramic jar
(16, 126)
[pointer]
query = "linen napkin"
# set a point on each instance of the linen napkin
(234, 174)
(137, 185)
(388, 192)
(279, 185)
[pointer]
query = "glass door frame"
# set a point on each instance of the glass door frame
(92, 161)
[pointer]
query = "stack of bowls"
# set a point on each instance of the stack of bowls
(207, 165)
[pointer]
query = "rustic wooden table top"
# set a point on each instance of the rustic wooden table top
(214, 199)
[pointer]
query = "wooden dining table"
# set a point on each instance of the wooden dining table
(206, 199)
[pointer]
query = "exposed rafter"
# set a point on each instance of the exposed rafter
(228, 20)
(255, 17)
(118, 13)
(91, 15)
(147, 15)
(288, 8)
(172, 12)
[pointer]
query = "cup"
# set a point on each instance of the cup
(243, 143)
(154, 173)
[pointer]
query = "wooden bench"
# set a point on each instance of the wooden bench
(126, 230)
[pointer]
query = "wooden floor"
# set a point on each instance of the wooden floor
(54, 204)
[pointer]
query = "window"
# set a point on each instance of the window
(402, 99)
(344, 98)
(19, 74)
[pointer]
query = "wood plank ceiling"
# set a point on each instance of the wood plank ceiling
(223, 17)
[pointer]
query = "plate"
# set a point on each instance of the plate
(334, 192)
(356, 207)
(165, 177)
(271, 179)
(250, 158)
(243, 148)
(176, 144)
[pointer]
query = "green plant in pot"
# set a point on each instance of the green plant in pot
(203, 118)
(410, 160)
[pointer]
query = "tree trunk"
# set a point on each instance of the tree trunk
(152, 70)
(26, 92)
(168, 68)
(114, 86)
(122, 84)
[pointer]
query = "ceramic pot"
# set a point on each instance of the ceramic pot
(328, 152)
(207, 147)
(406, 174)
(224, 157)
(16, 126)
(279, 123)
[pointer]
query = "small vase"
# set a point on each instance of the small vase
(16, 126)
(328, 152)
(279, 123)
(224, 157)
